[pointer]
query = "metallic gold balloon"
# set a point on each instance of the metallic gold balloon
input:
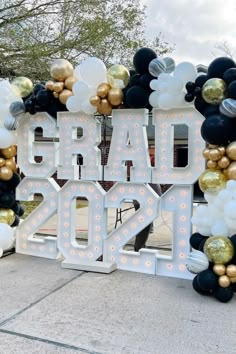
(211, 164)
(69, 82)
(231, 171)
(8, 152)
(118, 76)
(233, 280)
(64, 95)
(214, 154)
(11, 163)
(104, 107)
(5, 173)
(212, 181)
(55, 94)
(231, 151)
(205, 153)
(219, 249)
(58, 86)
(115, 96)
(95, 100)
(22, 86)
(212, 146)
(221, 149)
(49, 85)
(224, 162)
(224, 281)
(214, 91)
(7, 216)
(231, 270)
(103, 89)
(2, 161)
(61, 69)
(219, 269)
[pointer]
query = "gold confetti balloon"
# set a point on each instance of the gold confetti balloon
(22, 86)
(218, 249)
(212, 181)
(231, 151)
(118, 76)
(214, 91)
(61, 69)
(7, 216)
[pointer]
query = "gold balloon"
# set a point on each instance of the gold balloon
(95, 100)
(214, 91)
(224, 162)
(11, 163)
(222, 150)
(118, 76)
(61, 69)
(104, 107)
(115, 96)
(231, 151)
(22, 86)
(218, 249)
(58, 86)
(233, 280)
(214, 154)
(231, 171)
(205, 153)
(212, 181)
(64, 95)
(219, 269)
(231, 270)
(5, 173)
(212, 146)
(8, 152)
(69, 82)
(2, 161)
(224, 281)
(49, 85)
(55, 94)
(211, 164)
(7, 216)
(103, 89)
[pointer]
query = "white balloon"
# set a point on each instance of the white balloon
(7, 138)
(76, 72)
(87, 108)
(231, 185)
(93, 71)
(220, 228)
(164, 77)
(6, 237)
(73, 104)
(153, 99)
(165, 101)
(204, 230)
(81, 90)
(230, 209)
(154, 84)
(175, 85)
(185, 71)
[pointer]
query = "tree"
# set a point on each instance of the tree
(34, 32)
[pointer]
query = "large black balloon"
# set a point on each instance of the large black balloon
(136, 97)
(218, 67)
(232, 90)
(207, 280)
(44, 97)
(200, 104)
(197, 288)
(200, 80)
(134, 80)
(229, 75)
(145, 80)
(217, 129)
(223, 294)
(211, 110)
(142, 59)
(196, 239)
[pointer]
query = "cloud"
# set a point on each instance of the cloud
(194, 27)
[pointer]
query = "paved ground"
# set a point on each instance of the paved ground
(48, 309)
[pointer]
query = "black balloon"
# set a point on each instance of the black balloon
(207, 280)
(37, 88)
(218, 67)
(136, 97)
(197, 92)
(201, 246)
(196, 239)
(197, 288)
(189, 97)
(211, 110)
(232, 90)
(229, 75)
(200, 80)
(145, 80)
(190, 86)
(217, 129)
(44, 97)
(223, 294)
(134, 80)
(16, 222)
(142, 59)
(132, 72)
(14, 181)
(7, 199)
(200, 104)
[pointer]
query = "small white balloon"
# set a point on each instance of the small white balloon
(93, 71)
(153, 99)
(6, 237)
(185, 71)
(87, 108)
(7, 138)
(73, 104)
(154, 84)
(220, 228)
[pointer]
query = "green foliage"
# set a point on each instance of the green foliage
(34, 32)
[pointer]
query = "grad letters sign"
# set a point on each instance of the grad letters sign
(62, 157)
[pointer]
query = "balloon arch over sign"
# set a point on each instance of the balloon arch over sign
(156, 89)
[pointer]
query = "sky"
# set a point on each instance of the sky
(195, 27)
